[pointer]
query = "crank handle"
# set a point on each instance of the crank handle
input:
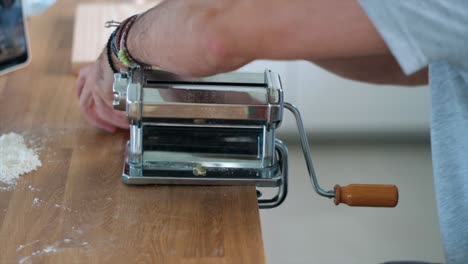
(375, 195)
(371, 195)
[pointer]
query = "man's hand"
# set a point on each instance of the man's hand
(94, 90)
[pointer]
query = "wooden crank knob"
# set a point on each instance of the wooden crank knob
(372, 195)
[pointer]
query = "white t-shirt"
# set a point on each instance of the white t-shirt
(434, 33)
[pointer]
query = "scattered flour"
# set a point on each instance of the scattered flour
(37, 202)
(20, 247)
(33, 189)
(48, 249)
(16, 158)
(63, 207)
(6, 188)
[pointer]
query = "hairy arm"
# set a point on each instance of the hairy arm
(204, 37)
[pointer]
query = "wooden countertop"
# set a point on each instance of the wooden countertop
(75, 208)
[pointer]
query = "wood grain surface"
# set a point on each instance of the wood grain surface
(74, 209)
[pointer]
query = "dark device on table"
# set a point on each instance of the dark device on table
(14, 48)
(218, 130)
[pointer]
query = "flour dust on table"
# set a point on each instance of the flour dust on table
(16, 159)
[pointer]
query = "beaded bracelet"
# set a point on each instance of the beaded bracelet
(108, 51)
(118, 42)
(114, 49)
(116, 36)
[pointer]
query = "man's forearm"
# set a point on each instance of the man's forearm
(179, 36)
(204, 37)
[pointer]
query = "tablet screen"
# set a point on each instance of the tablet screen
(13, 42)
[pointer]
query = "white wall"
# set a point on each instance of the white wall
(333, 105)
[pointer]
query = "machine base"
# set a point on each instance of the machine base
(275, 176)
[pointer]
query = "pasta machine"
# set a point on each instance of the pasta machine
(218, 130)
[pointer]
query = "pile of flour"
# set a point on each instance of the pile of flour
(16, 158)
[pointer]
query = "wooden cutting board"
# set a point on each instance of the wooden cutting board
(90, 35)
(75, 209)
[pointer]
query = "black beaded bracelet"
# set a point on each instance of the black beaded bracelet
(109, 51)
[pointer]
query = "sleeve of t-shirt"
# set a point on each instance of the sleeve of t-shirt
(421, 32)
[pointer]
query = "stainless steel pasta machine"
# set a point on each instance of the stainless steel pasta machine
(219, 130)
